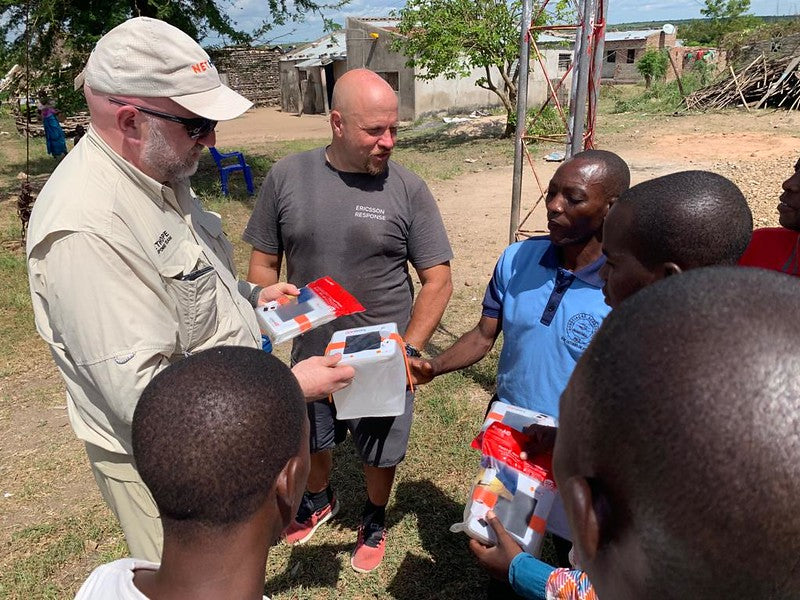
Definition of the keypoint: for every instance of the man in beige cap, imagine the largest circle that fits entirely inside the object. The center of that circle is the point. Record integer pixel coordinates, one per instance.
(128, 273)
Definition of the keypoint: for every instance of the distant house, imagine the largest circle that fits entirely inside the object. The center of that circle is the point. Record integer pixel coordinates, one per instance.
(557, 54)
(369, 45)
(307, 74)
(624, 48)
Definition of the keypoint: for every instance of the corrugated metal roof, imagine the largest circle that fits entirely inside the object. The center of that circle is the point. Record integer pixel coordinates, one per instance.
(331, 46)
(549, 38)
(625, 36)
(382, 22)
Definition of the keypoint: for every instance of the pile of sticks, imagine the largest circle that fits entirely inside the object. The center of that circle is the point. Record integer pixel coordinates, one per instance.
(68, 124)
(762, 83)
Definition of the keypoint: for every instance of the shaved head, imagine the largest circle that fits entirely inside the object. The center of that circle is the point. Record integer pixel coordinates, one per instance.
(615, 174)
(363, 123)
(361, 88)
(678, 453)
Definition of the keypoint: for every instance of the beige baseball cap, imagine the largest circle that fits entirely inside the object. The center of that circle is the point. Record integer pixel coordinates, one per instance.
(148, 58)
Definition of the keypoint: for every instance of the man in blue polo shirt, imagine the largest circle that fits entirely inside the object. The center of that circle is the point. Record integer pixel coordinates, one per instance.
(546, 297)
(546, 292)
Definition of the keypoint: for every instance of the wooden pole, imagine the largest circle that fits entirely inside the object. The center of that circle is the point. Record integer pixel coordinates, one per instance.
(738, 88)
(677, 75)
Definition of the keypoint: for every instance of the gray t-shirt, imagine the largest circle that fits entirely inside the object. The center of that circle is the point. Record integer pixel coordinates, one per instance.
(361, 230)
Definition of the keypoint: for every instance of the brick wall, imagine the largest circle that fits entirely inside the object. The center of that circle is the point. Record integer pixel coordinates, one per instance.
(253, 72)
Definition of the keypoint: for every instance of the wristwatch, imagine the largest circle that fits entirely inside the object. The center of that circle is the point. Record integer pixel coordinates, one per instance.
(412, 351)
(254, 294)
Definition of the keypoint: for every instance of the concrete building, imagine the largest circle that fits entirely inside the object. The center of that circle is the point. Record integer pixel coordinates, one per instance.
(307, 74)
(624, 48)
(369, 45)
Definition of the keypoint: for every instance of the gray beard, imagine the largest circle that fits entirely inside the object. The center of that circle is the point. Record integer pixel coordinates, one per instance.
(159, 157)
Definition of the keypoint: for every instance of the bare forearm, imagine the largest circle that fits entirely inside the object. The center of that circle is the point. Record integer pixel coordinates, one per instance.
(468, 349)
(427, 312)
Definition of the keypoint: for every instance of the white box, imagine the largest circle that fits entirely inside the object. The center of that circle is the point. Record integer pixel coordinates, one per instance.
(377, 353)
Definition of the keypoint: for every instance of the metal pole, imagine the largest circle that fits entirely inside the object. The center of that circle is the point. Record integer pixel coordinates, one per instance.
(522, 108)
(581, 73)
(597, 69)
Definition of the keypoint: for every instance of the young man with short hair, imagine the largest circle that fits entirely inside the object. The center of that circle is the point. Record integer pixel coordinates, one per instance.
(221, 441)
(671, 224)
(778, 248)
(657, 228)
(678, 455)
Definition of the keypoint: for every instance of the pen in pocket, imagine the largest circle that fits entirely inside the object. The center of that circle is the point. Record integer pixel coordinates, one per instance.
(195, 274)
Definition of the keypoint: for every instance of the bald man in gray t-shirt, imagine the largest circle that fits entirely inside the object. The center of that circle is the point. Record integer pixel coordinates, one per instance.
(347, 211)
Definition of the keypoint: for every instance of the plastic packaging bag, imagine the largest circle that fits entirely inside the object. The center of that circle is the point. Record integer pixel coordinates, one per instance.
(520, 491)
(319, 302)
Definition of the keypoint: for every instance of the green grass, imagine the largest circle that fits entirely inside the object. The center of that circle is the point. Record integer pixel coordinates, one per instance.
(45, 558)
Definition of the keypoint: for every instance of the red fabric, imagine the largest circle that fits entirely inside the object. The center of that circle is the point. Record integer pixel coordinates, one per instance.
(775, 248)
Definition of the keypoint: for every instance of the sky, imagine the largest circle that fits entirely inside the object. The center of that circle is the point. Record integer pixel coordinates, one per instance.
(248, 14)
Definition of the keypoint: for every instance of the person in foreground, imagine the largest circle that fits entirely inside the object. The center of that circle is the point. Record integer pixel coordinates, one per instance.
(221, 440)
(349, 212)
(678, 455)
(778, 248)
(128, 273)
(657, 228)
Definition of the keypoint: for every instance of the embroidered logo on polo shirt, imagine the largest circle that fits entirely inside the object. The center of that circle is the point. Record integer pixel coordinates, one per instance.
(162, 241)
(579, 330)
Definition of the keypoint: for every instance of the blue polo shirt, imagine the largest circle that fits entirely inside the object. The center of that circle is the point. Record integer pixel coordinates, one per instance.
(548, 315)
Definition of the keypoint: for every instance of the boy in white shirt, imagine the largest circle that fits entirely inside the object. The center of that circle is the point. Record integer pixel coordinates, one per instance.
(221, 441)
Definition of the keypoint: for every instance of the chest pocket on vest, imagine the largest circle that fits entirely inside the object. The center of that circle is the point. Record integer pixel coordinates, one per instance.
(211, 224)
(191, 283)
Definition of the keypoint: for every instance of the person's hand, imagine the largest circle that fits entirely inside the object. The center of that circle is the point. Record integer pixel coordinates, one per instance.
(320, 376)
(421, 370)
(542, 440)
(496, 559)
(275, 291)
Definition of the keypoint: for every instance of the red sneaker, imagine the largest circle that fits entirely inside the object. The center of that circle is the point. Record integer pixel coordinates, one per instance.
(370, 548)
(308, 520)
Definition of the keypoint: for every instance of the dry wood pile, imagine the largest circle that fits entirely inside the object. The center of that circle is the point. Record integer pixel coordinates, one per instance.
(762, 83)
(68, 124)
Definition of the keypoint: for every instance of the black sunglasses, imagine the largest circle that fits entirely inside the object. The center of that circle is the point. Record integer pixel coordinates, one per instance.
(196, 127)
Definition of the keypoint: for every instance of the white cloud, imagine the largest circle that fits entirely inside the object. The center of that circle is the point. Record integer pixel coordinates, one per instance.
(249, 14)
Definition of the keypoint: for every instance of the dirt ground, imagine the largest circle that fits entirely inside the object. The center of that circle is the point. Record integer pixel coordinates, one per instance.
(757, 152)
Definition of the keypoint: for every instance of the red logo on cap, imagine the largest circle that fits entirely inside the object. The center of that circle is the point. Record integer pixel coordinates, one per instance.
(202, 66)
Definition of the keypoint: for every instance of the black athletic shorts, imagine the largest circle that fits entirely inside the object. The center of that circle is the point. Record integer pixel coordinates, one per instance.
(380, 441)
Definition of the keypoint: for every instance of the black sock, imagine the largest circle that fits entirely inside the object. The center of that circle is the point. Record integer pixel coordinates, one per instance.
(321, 499)
(374, 514)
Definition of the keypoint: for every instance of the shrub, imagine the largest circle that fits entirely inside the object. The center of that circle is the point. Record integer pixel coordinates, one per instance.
(653, 66)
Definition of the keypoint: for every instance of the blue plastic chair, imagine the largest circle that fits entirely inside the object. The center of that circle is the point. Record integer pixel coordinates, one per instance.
(225, 170)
